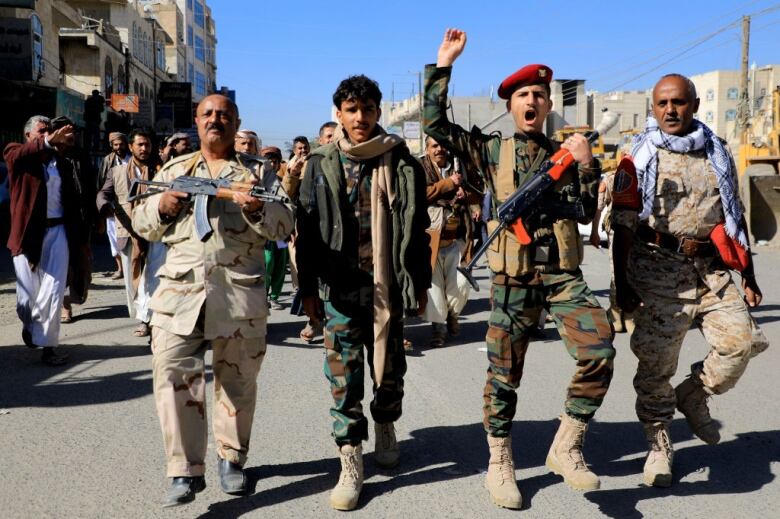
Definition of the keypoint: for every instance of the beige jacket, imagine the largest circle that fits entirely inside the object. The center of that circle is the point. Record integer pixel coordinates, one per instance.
(224, 276)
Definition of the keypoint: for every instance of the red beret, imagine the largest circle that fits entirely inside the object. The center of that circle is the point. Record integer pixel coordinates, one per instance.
(529, 75)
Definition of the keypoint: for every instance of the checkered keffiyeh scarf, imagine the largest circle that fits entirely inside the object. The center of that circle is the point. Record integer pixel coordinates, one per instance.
(645, 153)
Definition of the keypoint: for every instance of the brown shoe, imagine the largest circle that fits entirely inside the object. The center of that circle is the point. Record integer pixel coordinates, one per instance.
(66, 315)
(438, 335)
(692, 402)
(453, 326)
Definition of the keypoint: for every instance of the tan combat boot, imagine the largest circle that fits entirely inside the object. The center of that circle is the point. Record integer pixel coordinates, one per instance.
(565, 456)
(345, 494)
(500, 480)
(658, 466)
(386, 451)
(692, 402)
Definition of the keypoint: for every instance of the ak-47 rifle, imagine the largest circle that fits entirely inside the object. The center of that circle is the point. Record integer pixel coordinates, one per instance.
(525, 200)
(202, 189)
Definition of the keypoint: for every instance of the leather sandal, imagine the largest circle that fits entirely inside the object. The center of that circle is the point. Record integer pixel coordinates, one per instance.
(307, 334)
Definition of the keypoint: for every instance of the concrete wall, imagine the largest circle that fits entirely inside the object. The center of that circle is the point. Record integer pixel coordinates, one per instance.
(631, 107)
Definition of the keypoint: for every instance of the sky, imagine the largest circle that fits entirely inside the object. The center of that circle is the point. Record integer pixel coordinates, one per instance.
(285, 59)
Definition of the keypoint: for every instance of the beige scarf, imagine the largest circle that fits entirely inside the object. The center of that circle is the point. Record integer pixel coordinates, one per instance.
(382, 197)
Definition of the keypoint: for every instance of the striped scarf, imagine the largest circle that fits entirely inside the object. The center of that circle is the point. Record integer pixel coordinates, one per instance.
(645, 154)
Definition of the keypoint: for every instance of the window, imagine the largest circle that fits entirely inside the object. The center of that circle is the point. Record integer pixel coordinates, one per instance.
(189, 5)
(160, 56)
(148, 54)
(135, 88)
(136, 44)
(200, 17)
(37, 47)
(120, 80)
(191, 73)
(200, 83)
(731, 115)
(189, 35)
(635, 121)
(708, 117)
(200, 49)
(732, 93)
(108, 80)
(710, 94)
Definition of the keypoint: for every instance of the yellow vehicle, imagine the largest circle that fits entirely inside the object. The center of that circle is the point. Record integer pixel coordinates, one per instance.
(759, 170)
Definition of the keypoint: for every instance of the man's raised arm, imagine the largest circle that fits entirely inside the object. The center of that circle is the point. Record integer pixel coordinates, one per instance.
(435, 123)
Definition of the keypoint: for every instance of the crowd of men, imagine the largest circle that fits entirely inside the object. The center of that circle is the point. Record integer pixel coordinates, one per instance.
(351, 219)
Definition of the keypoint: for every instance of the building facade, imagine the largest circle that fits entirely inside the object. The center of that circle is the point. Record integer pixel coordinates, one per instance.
(54, 53)
(631, 107)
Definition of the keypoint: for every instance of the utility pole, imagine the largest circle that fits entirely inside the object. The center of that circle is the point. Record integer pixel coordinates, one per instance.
(743, 108)
(420, 93)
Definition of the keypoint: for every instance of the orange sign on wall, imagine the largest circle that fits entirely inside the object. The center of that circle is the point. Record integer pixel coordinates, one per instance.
(126, 102)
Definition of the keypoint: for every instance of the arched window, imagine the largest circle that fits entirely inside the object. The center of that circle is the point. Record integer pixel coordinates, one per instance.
(108, 80)
(135, 88)
(37, 47)
(709, 116)
(710, 94)
(732, 93)
(120, 80)
(731, 115)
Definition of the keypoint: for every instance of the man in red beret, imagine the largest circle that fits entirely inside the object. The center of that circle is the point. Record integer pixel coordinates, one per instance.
(527, 279)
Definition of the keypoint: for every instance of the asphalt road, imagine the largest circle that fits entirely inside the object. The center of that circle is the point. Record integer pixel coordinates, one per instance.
(84, 441)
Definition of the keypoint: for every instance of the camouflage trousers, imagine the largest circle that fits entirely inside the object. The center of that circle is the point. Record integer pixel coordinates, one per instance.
(661, 325)
(180, 396)
(349, 338)
(582, 324)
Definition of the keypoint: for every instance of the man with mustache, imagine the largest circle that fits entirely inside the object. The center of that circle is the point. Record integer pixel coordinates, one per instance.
(672, 217)
(211, 292)
(140, 259)
(365, 260)
(527, 279)
(451, 231)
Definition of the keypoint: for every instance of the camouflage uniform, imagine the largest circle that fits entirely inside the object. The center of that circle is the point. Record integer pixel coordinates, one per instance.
(336, 258)
(524, 283)
(209, 292)
(678, 291)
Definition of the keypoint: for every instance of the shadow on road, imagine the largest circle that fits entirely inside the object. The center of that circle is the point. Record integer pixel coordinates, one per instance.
(439, 454)
(739, 466)
(26, 382)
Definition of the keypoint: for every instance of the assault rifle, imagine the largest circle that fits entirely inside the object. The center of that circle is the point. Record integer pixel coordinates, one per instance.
(525, 200)
(202, 189)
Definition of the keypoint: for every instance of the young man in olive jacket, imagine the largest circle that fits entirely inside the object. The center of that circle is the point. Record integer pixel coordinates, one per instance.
(361, 231)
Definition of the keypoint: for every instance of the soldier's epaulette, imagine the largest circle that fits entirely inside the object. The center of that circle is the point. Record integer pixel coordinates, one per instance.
(178, 160)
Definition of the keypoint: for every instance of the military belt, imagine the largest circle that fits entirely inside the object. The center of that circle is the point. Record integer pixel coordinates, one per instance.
(688, 247)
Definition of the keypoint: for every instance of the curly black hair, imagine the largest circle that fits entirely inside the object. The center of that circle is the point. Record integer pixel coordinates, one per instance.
(360, 88)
